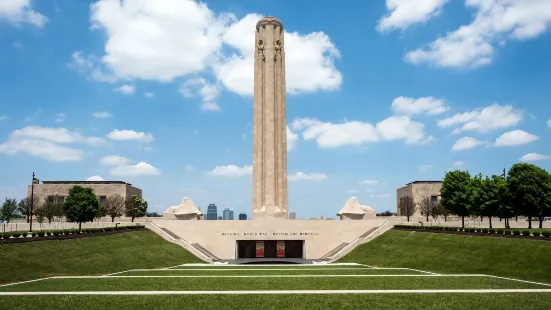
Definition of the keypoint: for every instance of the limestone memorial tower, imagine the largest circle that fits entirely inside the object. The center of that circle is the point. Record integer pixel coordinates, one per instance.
(270, 125)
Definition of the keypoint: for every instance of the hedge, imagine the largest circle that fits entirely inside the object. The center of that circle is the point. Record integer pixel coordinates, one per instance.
(498, 231)
(38, 234)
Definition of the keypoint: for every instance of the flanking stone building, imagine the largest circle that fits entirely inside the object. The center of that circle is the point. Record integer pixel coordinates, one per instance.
(418, 190)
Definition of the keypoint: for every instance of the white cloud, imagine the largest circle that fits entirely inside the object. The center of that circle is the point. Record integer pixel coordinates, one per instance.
(549, 123)
(411, 106)
(56, 135)
(45, 149)
(126, 89)
(18, 12)
(495, 22)
(139, 169)
(231, 171)
(403, 128)
(425, 168)
(515, 137)
(60, 117)
(292, 139)
(534, 157)
(95, 178)
(114, 160)
(466, 143)
(149, 94)
(369, 182)
(483, 120)
(130, 135)
(200, 87)
(404, 13)
(301, 176)
(458, 164)
(102, 115)
(173, 39)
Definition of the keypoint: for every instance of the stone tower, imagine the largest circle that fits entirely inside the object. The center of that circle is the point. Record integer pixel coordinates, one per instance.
(270, 125)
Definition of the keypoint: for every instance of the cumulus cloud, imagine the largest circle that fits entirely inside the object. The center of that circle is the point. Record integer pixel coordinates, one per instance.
(483, 120)
(201, 87)
(534, 157)
(292, 139)
(44, 149)
(231, 171)
(20, 12)
(466, 143)
(139, 169)
(102, 115)
(549, 123)
(126, 89)
(95, 178)
(495, 22)
(423, 105)
(181, 38)
(130, 135)
(515, 137)
(114, 160)
(301, 176)
(56, 135)
(404, 13)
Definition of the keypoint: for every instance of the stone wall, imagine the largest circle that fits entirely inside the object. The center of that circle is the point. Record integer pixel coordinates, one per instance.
(418, 191)
(42, 191)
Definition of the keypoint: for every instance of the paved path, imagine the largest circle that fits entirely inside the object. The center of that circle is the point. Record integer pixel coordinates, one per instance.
(293, 292)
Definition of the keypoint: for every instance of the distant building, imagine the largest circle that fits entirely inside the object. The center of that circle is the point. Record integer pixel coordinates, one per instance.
(242, 216)
(227, 214)
(292, 216)
(418, 190)
(59, 190)
(220, 218)
(212, 212)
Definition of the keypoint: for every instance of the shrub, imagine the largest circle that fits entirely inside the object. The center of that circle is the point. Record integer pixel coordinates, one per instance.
(516, 232)
(484, 230)
(536, 233)
(35, 234)
(16, 235)
(499, 231)
(546, 234)
(41, 234)
(55, 232)
(492, 231)
(507, 232)
(526, 233)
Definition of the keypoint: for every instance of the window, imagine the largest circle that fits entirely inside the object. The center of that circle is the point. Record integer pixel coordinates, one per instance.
(102, 200)
(434, 200)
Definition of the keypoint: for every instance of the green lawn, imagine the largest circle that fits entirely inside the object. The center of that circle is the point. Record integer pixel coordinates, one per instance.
(271, 283)
(89, 256)
(298, 271)
(448, 253)
(263, 266)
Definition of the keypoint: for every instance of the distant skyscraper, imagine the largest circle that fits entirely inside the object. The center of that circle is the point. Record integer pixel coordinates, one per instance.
(212, 212)
(219, 218)
(242, 216)
(227, 214)
(292, 216)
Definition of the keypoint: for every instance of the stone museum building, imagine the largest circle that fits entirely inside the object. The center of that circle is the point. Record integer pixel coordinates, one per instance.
(418, 190)
(103, 189)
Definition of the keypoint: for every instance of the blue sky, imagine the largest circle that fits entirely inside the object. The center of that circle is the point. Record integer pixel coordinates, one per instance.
(380, 93)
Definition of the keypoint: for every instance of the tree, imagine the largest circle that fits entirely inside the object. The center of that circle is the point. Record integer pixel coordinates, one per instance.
(529, 187)
(406, 206)
(81, 205)
(8, 210)
(492, 196)
(135, 207)
(24, 206)
(455, 193)
(155, 214)
(425, 206)
(435, 212)
(114, 206)
(477, 196)
(52, 208)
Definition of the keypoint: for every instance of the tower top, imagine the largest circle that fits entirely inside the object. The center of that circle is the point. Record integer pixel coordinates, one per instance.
(269, 20)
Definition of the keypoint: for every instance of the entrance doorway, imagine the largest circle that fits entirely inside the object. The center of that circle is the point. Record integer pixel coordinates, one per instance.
(270, 248)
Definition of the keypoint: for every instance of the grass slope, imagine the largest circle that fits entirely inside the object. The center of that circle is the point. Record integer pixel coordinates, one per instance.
(447, 253)
(89, 256)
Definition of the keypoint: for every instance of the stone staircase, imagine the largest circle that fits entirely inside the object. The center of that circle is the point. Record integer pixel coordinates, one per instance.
(170, 236)
(205, 251)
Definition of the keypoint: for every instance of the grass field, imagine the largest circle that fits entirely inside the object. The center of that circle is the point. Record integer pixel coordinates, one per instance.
(89, 256)
(447, 253)
(331, 286)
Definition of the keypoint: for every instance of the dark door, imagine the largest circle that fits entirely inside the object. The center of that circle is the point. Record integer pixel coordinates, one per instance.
(293, 248)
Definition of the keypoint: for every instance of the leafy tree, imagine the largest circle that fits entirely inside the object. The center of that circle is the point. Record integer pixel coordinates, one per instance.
(155, 214)
(477, 196)
(8, 210)
(135, 207)
(52, 208)
(24, 206)
(407, 206)
(492, 196)
(443, 211)
(81, 205)
(114, 206)
(455, 193)
(425, 206)
(435, 212)
(530, 190)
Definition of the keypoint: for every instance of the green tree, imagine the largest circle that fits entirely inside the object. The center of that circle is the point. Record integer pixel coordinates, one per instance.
(114, 206)
(455, 193)
(8, 210)
(135, 207)
(52, 208)
(477, 196)
(81, 205)
(492, 193)
(407, 206)
(24, 206)
(530, 190)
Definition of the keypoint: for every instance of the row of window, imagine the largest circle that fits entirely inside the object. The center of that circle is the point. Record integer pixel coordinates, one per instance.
(61, 199)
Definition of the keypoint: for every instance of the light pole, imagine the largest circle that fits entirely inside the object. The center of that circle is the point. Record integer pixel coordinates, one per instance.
(32, 202)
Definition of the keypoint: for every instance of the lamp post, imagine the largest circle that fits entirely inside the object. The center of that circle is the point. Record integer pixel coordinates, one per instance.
(32, 203)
